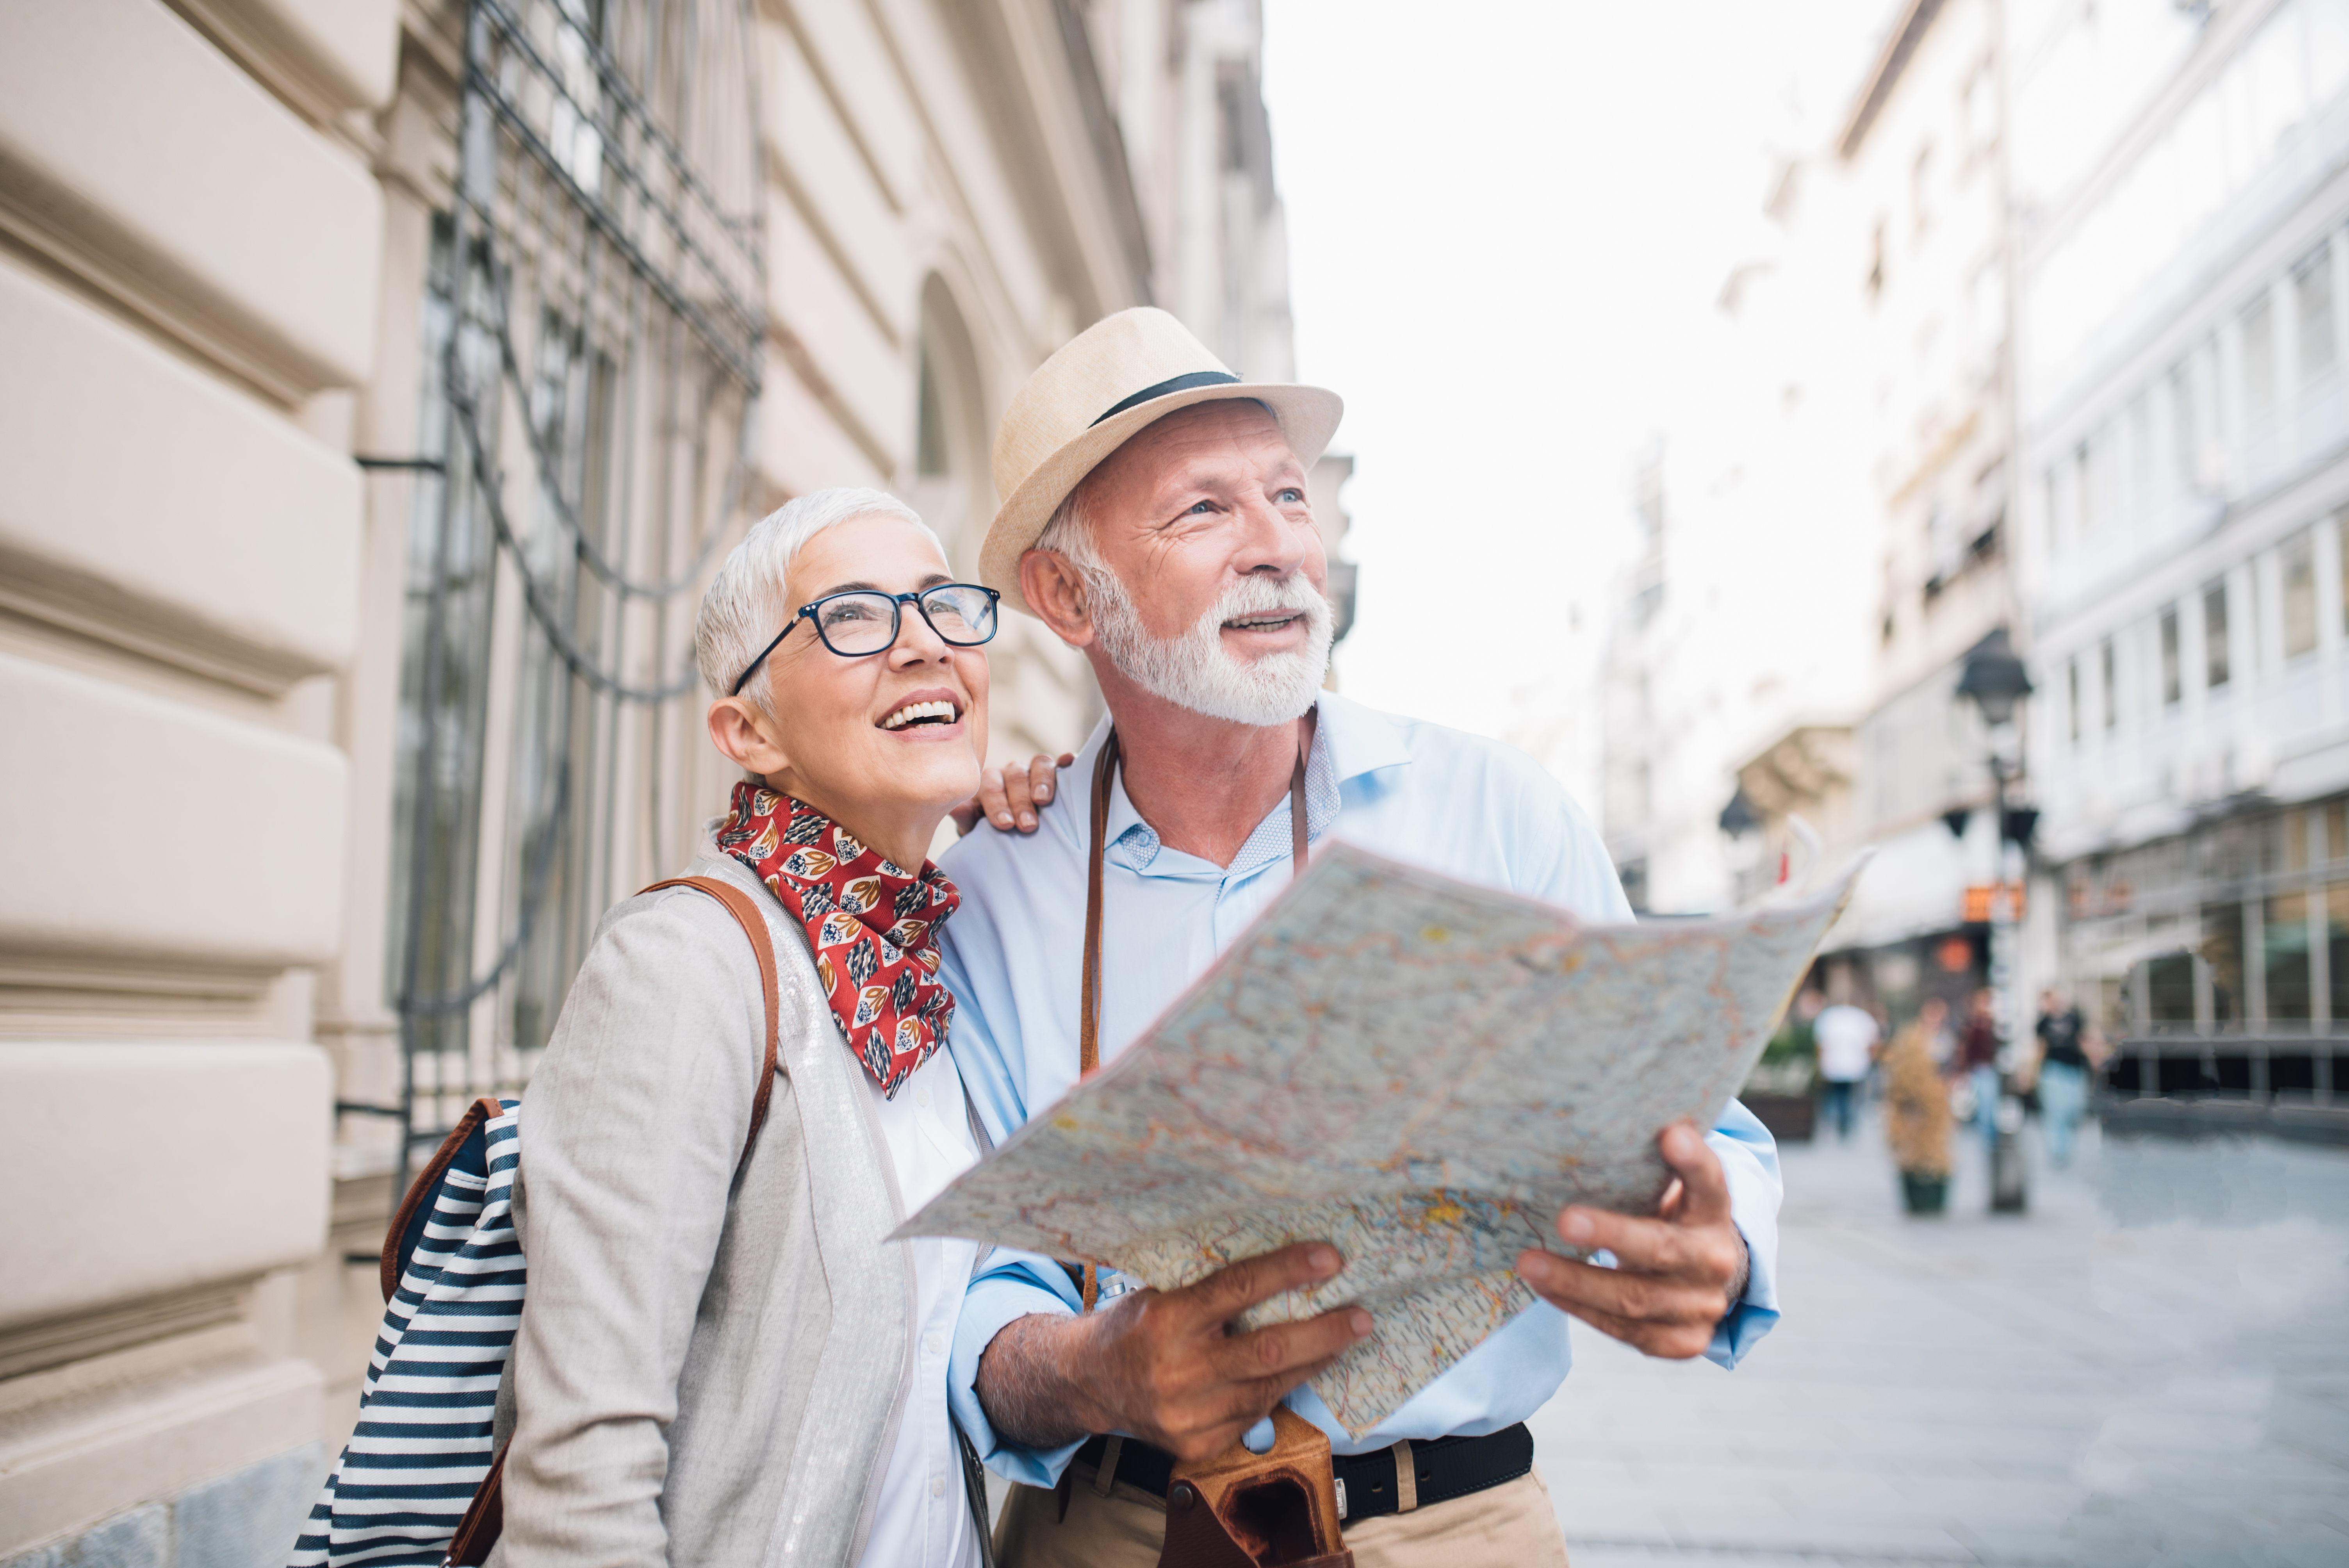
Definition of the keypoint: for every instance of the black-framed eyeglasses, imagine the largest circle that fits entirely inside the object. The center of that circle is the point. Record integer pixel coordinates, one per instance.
(864, 621)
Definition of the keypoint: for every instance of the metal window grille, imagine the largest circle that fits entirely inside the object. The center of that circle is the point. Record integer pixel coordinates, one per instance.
(592, 332)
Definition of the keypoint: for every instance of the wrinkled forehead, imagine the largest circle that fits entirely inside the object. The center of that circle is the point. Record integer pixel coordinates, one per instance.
(1171, 447)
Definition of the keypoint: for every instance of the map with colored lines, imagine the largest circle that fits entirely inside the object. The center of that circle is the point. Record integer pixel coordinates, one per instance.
(1418, 1070)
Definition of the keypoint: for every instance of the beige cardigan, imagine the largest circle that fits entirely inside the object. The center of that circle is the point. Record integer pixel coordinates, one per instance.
(701, 1377)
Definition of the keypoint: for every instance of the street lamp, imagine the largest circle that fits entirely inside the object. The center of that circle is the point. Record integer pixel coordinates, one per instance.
(1994, 680)
(1738, 817)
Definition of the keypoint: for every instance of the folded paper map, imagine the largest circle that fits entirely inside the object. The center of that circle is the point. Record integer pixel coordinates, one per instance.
(1418, 1070)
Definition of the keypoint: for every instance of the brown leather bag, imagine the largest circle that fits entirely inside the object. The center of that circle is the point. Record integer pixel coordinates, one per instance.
(1241, 1510)
(484, 1522)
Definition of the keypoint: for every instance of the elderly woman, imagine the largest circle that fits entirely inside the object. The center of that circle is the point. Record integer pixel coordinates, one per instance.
(714, 1370)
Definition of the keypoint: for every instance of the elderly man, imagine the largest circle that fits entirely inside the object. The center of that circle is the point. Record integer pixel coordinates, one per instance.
(1157, 519)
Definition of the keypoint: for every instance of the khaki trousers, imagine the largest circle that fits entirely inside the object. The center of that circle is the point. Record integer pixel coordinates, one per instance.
(1511, 1525)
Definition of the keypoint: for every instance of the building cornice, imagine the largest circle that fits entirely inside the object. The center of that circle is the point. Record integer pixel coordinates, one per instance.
(1900, 46)
(2222, 38)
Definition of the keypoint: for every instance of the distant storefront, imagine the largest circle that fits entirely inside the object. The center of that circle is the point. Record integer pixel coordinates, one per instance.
(2218, 959)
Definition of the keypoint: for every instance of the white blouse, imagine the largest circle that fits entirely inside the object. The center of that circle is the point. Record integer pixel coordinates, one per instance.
(923, 1520)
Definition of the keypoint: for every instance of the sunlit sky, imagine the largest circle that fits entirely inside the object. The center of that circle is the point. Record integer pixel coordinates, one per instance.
(1507, 221)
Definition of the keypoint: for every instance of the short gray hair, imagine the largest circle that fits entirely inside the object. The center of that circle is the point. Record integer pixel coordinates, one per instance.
(744, 606)
(1066, 533)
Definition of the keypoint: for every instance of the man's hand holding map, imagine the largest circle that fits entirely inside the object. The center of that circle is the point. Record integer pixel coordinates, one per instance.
(1421, 1073)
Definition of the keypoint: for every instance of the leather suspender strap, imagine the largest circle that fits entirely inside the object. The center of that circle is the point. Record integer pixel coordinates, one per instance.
(1089, 997)
(1296, 815)
(1089, 1003)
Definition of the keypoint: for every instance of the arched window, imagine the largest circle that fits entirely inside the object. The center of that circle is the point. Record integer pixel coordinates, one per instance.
(1046, 699)
(949, 485)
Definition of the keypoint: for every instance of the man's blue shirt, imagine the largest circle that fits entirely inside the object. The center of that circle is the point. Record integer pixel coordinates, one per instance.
(1417, 792)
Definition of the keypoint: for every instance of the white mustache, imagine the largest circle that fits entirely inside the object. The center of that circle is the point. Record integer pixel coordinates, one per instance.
(1255, 595)
(1194, 669)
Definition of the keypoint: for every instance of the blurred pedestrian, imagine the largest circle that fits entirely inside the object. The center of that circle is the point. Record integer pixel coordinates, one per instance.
(2062, 1072)
(1917, 1108)
(1846, 1036)
(1978, 1060)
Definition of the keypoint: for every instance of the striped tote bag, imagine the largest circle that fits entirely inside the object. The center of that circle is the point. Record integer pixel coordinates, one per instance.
(419, 1481)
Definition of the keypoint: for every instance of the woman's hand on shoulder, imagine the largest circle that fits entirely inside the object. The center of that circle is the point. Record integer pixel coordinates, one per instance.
(1009, 797)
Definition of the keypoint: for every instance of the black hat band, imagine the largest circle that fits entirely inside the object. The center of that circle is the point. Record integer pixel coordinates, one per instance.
(1173, 384)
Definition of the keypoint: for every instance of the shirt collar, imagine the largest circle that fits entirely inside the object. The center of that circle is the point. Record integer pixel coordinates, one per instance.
(1359, 739)
(1349, 740)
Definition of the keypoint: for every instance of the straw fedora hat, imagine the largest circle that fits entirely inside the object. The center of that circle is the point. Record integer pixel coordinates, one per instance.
(1107, 382)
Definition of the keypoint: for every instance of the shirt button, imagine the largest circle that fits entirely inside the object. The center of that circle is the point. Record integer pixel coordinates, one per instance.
(932, 1343)
(937, 1486)
(922, 1097)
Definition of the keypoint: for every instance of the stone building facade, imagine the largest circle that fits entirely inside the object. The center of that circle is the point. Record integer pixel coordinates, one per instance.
(191, 239)
(1747, 621)
(1926, 148)
(348, 554)
(1831, 513)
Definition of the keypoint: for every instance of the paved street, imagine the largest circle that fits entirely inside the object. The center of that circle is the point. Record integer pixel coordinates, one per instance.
(2151, 1368)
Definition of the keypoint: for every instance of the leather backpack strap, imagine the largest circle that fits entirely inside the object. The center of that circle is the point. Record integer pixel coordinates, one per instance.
(748, 915)
(484, 1521)
(1088, 997)
(427, 1186)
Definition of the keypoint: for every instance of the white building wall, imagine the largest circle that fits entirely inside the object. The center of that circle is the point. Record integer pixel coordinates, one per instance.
(2186, 462)
(1931, 171)
(1840, 522)
(1767, 612)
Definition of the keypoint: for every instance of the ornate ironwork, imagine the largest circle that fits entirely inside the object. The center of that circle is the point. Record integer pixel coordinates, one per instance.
(594, 326)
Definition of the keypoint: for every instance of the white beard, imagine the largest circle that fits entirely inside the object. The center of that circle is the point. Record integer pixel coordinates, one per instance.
(1193, 670)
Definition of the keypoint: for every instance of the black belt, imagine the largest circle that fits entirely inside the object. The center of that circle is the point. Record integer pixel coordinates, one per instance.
(1447, 1467)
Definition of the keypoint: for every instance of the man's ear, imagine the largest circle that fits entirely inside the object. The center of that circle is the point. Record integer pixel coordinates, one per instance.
(742, 732)
(1057, 594)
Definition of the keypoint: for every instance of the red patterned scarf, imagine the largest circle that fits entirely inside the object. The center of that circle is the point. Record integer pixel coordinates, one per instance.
(873, 925)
